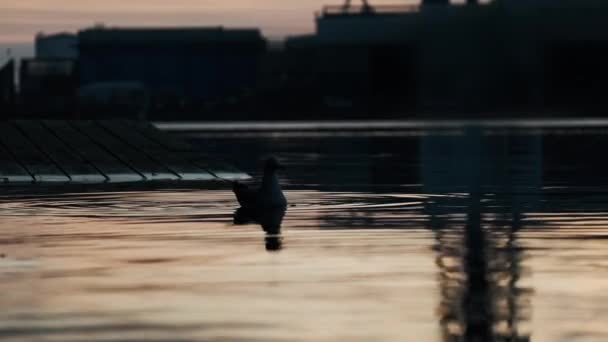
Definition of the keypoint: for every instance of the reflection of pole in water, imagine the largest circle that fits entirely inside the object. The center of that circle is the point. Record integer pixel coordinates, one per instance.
(477, 256)
(480, 299)
(476, 300)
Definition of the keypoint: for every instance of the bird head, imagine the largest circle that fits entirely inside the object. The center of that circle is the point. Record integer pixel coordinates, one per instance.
(273, 164)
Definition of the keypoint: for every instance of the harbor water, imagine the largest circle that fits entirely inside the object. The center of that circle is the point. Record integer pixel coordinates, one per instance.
(463, 232)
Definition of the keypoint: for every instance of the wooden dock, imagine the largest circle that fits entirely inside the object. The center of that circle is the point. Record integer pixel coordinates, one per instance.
(98, 152)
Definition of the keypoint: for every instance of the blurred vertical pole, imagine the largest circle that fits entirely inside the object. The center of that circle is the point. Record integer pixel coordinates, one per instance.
(477, 297)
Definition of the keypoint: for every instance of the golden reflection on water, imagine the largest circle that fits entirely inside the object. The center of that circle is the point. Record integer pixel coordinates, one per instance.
(171, 266)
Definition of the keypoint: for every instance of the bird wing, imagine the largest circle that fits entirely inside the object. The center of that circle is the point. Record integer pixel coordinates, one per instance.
(244, 195)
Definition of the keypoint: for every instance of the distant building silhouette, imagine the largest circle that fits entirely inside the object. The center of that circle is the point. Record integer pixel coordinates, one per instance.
(48, 83)
(7, 89)
(412, 59)
(60, 45)
(363, 61)
(48, 87)
(181, 67)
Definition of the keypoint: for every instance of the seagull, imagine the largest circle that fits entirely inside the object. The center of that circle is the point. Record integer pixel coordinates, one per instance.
(265, 206)
(268, 196)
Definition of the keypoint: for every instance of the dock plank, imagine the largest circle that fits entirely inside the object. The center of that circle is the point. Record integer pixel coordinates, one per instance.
(10, 170)
(218, 168)
(180, 166)
(162, 138)
(96, 152)
(78, 169)
(188, 152)
(110, 166)
(42, 168)
(150, 169)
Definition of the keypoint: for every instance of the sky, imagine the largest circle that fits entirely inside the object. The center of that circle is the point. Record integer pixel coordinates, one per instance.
(20, 20)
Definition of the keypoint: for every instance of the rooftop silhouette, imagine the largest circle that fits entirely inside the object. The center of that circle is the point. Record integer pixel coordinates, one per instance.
(363, 61)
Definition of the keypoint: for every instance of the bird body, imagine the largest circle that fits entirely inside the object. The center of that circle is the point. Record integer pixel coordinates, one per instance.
(269, 195)
(265, 206)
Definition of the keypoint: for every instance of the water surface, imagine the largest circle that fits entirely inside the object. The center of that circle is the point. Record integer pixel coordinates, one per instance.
(473, 234)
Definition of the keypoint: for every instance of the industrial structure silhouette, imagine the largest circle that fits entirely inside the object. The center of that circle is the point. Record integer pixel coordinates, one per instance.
(363, 61)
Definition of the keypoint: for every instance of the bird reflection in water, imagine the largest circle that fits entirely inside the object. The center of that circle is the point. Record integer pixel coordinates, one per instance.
(270, 220)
